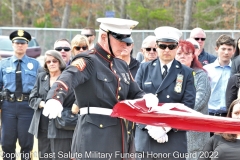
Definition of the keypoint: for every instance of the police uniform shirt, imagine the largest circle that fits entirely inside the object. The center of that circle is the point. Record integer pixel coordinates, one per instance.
(29, 70)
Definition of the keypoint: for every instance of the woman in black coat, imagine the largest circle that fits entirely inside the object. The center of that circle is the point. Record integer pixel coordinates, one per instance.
(52, 142)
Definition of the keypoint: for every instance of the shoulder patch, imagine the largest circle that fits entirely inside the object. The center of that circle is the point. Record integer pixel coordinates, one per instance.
(80, 64)
(193, 73)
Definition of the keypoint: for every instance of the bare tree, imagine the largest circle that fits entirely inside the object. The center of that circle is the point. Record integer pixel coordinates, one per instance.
(236, 14)
(123, 8)
(90, 13)
(187, 14)
(13, 13)
(66, 14)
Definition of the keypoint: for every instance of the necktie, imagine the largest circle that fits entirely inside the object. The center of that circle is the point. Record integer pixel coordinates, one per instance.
(18, 91)
(165, 71)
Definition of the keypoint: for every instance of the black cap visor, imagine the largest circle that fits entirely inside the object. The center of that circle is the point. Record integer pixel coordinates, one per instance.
(122, 37)
(22, 41)
(166, 40)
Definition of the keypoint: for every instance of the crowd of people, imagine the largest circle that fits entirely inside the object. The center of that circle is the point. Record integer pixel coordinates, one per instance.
(88, 79)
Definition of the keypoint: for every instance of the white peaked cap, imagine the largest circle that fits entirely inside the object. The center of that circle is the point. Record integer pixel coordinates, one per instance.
(194, 42)
(117, 25)
(167, 34)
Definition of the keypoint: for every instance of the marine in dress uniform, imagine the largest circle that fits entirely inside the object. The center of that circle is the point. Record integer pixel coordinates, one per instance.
(100, 81)
(17, 77)
(176, 87)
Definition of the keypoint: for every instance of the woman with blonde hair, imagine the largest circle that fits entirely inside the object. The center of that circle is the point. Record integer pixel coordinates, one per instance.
(79, 44)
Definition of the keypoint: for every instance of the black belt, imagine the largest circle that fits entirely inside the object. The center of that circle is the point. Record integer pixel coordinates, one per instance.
(12, 98)
(218, 114)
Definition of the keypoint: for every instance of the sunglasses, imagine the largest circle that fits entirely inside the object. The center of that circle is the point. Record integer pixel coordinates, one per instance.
(88, 35)
(202, 39)
(84, 48)
(66, 49)
(149, 49)
(53, 61)
(170, 46)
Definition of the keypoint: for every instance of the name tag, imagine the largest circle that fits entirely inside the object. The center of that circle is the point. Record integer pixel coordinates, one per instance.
(148, 83)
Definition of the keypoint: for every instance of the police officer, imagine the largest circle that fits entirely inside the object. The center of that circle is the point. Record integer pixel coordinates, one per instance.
(17, 77)
(171, 82)
(100, 81)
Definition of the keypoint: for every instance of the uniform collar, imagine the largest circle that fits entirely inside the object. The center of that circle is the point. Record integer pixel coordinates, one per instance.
(168, 65)
(24, 58)
(107, 56)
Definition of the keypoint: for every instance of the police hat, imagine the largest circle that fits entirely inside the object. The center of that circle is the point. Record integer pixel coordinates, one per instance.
(120, 29)
(167, 34)
(20, 36)
(194, 42)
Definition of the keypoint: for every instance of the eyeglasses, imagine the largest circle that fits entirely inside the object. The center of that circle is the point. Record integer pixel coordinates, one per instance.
(84, 48)
(202, 39)
(170, 46)
(88, 35)
(66, 49)
(149, 49)
(53, 61)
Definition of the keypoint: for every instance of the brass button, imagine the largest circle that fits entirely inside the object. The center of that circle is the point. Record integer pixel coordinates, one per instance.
(129, 132)
(118, 97)
(101, 126)
(119, 88)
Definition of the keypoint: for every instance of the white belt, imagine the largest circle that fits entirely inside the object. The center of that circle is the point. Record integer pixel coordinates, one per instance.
(95, 110)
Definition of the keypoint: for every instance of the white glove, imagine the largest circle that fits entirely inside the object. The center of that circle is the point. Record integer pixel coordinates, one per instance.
(41, 104)
(155, 132)
(163, 139)
(53, 108)
(151, 100)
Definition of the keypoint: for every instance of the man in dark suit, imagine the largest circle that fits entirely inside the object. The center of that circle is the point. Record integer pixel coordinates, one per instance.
(171, 82)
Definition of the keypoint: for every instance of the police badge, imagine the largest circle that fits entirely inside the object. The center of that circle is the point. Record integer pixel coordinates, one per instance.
(30, 66)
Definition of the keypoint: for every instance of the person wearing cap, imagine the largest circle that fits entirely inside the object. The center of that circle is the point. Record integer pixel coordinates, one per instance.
(100, 80)
(200, 36)
(18, 74)
(196, 46)
(170, 82)
(90, 33)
